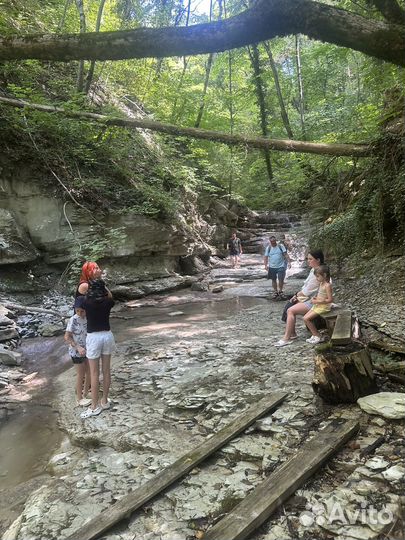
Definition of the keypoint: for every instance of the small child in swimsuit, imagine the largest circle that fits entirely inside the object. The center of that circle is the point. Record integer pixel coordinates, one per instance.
(322, 302)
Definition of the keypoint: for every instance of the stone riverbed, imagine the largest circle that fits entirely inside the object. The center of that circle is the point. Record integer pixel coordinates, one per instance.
(178, 376)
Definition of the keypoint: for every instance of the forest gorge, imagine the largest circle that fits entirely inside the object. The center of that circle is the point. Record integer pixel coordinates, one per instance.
(141, 134)
(340, 98)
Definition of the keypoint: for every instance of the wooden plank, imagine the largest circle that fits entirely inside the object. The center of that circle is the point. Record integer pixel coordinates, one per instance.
(342, 333)
(265, 498)
(124, 507)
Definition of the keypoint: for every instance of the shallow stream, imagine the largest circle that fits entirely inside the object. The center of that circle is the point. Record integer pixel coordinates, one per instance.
(30, 436)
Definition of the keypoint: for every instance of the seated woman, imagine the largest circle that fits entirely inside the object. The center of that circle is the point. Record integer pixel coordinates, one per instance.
(301, 300)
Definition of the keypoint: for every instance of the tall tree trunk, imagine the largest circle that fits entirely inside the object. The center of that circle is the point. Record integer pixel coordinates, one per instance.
(283, 110)
(222, 9)
(231, 123)
(166, 22)
(185, 63)
(301, 105)
(62, 21)
(261, 101)
(80, 73)
(90, 73)
(208, 67)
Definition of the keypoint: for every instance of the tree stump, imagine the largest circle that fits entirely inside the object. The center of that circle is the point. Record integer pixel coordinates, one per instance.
(343, 374)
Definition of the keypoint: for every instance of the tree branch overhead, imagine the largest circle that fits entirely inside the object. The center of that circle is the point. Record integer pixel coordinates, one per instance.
(265, 20)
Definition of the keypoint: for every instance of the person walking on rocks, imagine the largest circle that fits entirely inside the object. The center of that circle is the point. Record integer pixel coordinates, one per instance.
(275, 260)
(235, 249)
(321, 303)
(99, 343)
(75, 336)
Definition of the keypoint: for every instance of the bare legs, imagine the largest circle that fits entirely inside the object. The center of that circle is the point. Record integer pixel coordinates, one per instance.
(82, 380)
(95, 379)
(235, 261)
(297, 309)
(106, 362)
(308, 318)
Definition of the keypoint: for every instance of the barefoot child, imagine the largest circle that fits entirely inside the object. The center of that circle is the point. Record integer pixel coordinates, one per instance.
(321, 302)
(75, 336)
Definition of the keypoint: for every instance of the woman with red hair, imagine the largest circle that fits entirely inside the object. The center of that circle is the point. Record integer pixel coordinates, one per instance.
(90, 271)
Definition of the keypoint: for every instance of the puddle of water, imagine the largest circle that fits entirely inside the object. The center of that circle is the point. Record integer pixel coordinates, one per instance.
(29, 436)
(48, 356)
(27, 441)
(157, 319)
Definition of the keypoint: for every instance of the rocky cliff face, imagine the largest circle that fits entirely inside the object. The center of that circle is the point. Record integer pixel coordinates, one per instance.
(40, 230)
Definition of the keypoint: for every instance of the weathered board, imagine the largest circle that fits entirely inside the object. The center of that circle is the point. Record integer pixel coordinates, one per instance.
(342, 333)
(261, 503)
(124, 507)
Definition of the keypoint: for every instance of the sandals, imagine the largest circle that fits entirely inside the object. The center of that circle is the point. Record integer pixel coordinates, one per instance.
(84, 402)
(107, 405)
(274, 295)
(283, 342)
(90, 412)
(314, 340)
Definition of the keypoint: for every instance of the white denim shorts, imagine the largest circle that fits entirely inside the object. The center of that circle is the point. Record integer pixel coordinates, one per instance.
(98, 343)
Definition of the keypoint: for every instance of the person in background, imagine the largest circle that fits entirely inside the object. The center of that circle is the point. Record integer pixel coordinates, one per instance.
(283, 242)
(99, 344)
(321, 303)
(75, 336)
(300, 302)
(276, 261)
(235, 249)
(90, 270)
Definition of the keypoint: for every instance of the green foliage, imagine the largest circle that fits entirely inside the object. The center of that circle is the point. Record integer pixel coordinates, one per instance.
(348, 97)
(100, 243)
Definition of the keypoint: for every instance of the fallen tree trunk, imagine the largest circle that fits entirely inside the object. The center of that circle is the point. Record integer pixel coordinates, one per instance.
(283, 145)
(29, 309)
(343, 374)
(266, 19)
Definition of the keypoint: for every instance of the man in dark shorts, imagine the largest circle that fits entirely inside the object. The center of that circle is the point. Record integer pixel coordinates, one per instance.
(275, 258)
(235, 249)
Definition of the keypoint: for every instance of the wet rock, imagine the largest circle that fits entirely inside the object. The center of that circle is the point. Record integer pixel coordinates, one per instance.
(49, 330)
(9, 358)
(200, 286)
(217, 288)
(8, 333)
